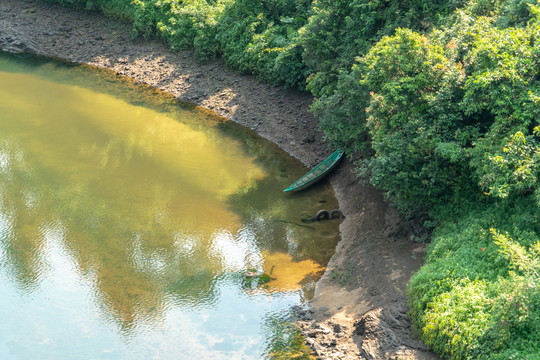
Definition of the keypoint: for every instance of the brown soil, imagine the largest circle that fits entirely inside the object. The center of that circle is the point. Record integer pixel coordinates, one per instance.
(359, 309)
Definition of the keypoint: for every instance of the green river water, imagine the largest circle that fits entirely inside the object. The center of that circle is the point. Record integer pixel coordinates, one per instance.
(128, 221)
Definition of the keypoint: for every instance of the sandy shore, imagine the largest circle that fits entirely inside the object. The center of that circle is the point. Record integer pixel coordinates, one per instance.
(359, 309)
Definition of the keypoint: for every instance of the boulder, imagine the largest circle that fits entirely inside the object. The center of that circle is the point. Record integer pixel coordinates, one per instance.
(14, 41)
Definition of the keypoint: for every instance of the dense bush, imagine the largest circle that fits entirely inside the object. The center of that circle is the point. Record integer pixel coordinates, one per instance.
(444, 111)
(415, 126)
(453, 117)
(478, 295)
(181, 24)
(340, 30)
(443, 100)
(258, 37)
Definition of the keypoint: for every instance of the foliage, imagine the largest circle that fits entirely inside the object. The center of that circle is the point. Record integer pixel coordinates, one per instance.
(478, 295)
(260, 37)
(416, 130)
(340, 30)
(342, 116)
(255, 37)
(514, 169)
(192, 23)
(441, 109)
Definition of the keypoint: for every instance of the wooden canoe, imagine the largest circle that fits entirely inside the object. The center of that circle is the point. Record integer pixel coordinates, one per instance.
(317, 173)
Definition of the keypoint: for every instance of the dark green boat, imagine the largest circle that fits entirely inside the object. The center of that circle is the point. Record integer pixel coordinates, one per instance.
(317, 173)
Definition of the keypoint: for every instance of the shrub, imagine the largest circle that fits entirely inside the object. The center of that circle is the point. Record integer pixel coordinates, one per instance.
(338, 31)
(415, 126)
(478, 295)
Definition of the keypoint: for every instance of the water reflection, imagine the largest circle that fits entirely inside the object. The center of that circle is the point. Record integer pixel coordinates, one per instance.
(143, 218)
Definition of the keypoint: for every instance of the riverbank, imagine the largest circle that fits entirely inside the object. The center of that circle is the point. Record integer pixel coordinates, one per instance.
(359, 309)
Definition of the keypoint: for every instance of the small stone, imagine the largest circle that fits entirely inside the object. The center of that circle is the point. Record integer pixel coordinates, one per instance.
(325, 330)
(309, 139)
(374, 292)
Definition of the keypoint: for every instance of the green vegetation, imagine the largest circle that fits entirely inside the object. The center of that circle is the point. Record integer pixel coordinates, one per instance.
(284, 339)
(442, 98)
(478, 294)
(251, 278)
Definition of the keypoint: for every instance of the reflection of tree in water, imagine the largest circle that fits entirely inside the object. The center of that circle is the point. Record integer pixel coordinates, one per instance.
(133, 239)
(276, 217)
(20, 227)
(135, 264)
(144, 230)
(114, 177)
(295, 251)
(125, 231)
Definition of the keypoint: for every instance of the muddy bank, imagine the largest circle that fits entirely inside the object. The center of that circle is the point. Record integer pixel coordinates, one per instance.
(359, 310)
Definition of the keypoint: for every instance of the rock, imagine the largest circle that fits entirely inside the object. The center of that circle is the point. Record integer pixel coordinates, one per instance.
(324, 329)
(337, 328)
(360, 327)
(14, 41)
(309, 139)
(374, 291)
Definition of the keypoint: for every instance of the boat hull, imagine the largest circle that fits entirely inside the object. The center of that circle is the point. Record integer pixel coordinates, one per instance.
(317, 173)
